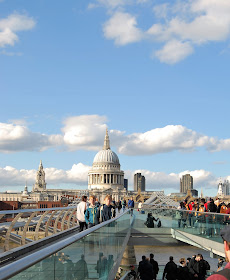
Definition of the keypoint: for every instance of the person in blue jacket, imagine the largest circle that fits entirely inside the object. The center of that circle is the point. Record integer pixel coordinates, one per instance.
(91, 213)
(131, 205)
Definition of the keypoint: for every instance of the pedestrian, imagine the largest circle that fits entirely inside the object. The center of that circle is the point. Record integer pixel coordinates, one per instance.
(123, 203)
(150, 221)
(131, 205)
(180, 214)
(210, 219)
(194, 267)
(182, 270)
(225, 273)
(140, 205)
(81, 208)
(155, 266)
(110, 262)
(145, 269)
(91, 213)
(170, 270)
(203, 267)
(106, 211)
(119, 206)
(81, 269)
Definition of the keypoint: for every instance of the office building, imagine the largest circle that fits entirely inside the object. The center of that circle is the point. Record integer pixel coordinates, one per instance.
(186, 183)
(139, 182)
(224, 188)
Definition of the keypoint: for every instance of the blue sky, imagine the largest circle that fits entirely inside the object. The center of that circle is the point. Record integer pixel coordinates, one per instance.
(156, 73)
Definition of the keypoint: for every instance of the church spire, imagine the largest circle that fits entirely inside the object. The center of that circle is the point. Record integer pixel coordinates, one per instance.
(106, 141)
(40, 165)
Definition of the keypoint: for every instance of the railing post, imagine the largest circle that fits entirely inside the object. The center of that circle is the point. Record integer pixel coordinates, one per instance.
(39, 224)
(23, 240)
(57, 220)
(48, 222)
(7, 238)
(70, 217)
(63, 220)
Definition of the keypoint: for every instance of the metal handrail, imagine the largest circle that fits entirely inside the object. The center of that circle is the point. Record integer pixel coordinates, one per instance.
(6, 212)
(19, 265)
(183, 210)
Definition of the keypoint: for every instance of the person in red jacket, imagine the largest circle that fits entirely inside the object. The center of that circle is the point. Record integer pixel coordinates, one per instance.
(225, 273)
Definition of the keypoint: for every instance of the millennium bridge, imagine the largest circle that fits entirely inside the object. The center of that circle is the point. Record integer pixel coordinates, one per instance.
(46, 243)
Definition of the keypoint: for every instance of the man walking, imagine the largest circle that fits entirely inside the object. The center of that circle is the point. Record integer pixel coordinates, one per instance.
(194, 267)
(170, 270)
(131, 205)
(145, 269)
(107, 211)
(81, 208)
(155, 266)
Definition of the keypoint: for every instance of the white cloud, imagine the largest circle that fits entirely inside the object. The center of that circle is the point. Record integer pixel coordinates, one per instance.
(121, 28)
(170, 138)
(174, 51)
(10, 176)
(180, 26)
(11, 25)
(15, 138)
(87, 132)
(84, 132)
(78, 176)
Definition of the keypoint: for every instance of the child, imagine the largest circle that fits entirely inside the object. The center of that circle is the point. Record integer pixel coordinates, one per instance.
(91, 213)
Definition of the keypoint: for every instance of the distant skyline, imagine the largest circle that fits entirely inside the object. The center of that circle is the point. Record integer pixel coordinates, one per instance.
(155, 73)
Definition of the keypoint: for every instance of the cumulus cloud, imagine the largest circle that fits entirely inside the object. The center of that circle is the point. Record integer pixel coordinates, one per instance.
(84, 132)
(166, 139)
(15, 138)
(121, 28)
(174, 51)
(87, 132)
(205, 21)
(10, 26)
(178, 26)
(12, 177)
(78, 176)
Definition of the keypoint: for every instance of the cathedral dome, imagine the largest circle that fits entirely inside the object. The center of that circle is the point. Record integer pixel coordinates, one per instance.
(106, 156)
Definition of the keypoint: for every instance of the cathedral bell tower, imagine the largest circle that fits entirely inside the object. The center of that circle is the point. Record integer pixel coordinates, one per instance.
(40, 184)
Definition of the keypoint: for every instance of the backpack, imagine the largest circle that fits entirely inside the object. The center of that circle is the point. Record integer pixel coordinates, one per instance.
(223, 209)
(159, 224)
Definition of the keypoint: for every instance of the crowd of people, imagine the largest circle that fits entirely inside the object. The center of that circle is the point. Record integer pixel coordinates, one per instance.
(194, 268)
(197, 216)
(91, 212)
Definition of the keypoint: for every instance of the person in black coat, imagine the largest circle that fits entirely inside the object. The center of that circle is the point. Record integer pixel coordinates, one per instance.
(145, 269)
(182, 270)
(203, 267)
(194, 267)
(170, 270)
(155, 266)
(150, 221)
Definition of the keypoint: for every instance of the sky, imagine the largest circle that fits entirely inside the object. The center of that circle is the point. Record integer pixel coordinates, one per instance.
(154, 72)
